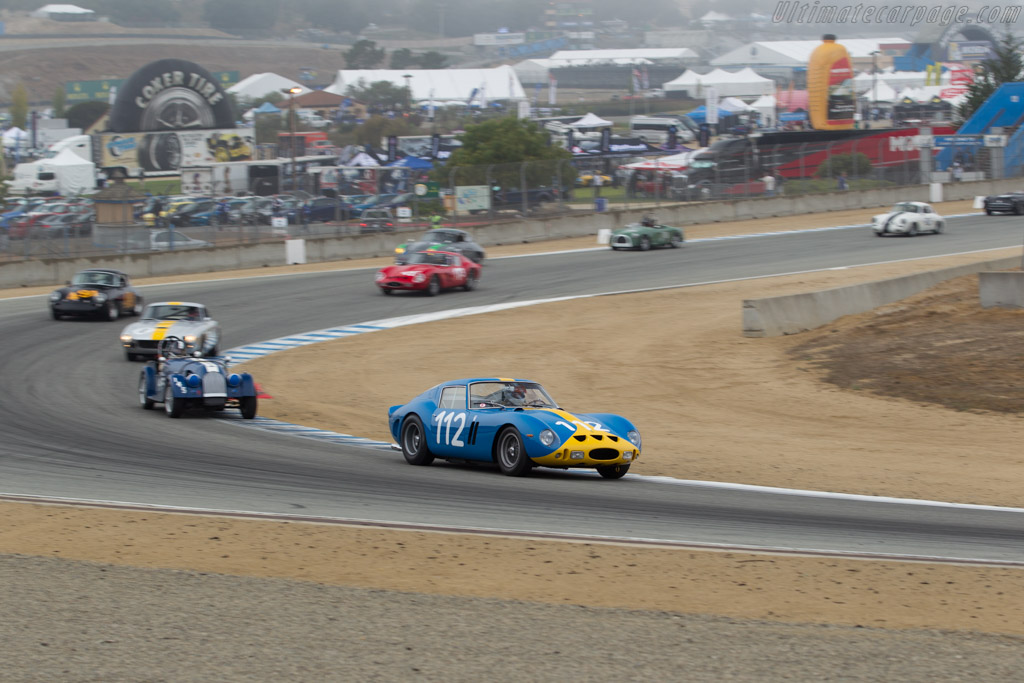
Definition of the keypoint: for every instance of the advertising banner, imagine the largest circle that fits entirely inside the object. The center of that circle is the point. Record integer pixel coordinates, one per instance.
(473, 198)
(165, 152)
(711, 105)
(99, 90)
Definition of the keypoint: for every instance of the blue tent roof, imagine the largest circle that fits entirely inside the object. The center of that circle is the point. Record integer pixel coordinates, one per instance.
(413, 162)
(700, 113)
(267, 108)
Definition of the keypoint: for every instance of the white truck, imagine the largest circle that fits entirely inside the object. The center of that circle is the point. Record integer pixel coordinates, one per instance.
(65, 174)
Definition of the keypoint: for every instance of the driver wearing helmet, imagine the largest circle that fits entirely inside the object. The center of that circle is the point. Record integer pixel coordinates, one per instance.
(648, 221)
(514, 395)
(192, 314)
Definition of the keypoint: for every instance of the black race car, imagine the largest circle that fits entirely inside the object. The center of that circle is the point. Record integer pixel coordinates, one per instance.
(442, 239)
(1011, 202)
(97, 292)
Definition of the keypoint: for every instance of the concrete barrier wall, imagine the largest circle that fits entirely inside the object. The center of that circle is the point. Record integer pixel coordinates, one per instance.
(780, 315)
(1001, 290)
(337, 248)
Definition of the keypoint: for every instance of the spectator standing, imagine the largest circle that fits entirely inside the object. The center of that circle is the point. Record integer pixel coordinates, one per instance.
(598, 181)
(843, 184)
(957, 172)
(769, 185)
(435, 220)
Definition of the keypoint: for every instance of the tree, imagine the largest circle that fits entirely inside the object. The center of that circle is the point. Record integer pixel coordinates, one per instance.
(433, 60)
(267, 126)
(1005, 66)
(364, 55)
(85, 114)
(403, 58)
(60, 102)
(380, 95)
(500, 146)
(19, 106)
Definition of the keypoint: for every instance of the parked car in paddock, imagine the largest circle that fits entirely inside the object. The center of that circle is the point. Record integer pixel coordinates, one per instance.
(1010, 202)
(646, 234)
(162, 240)
(429, 272)
(186, 320)
(63, 224)
(181, 380)
(97, 292)
(513, 423)
(442, 239)
(909, 219)
(376, 220)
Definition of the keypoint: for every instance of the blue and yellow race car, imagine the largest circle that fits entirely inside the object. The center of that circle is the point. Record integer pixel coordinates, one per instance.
(512, 422)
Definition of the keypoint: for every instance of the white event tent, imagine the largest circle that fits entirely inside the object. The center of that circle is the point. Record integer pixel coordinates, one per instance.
(498, 83)
(259, 85)
(74, 174)
(591, 120)
(742, 83)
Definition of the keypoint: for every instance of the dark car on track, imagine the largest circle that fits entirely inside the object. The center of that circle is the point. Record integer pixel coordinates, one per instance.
(1010, 202)
(97, 292)
(442, 239)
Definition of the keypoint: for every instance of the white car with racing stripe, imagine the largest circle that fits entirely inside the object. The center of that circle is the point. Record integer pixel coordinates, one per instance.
(185, 320)
(908, 219)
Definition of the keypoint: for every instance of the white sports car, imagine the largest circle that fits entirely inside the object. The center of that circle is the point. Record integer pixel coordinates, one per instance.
(185, 320)
(909, 219)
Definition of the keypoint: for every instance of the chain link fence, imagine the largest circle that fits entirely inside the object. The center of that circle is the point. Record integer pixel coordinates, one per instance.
(352, 200)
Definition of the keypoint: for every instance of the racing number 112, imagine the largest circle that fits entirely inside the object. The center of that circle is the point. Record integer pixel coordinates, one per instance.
(446, 418)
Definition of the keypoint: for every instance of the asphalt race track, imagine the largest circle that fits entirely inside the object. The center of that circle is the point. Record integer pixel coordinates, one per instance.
(71, 426)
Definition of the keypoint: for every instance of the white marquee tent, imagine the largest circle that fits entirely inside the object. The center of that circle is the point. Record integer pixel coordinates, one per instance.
(742, 83)
(499, 83)
(765, 106)
(15, 137)
(74, 174)
(259, 85)
(591, 120)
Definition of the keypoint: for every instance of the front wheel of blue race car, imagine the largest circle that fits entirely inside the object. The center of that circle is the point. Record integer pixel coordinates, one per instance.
(414, 442)
(613, 471)
(247, 406)
(511, 456)
(174, 407)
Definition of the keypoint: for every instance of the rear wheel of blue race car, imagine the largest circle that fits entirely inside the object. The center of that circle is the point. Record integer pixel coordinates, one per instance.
(144, 400)
(511, 456)
(414, 442)
(613, 471)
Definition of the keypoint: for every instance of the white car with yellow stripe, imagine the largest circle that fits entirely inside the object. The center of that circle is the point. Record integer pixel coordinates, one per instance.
(183, 319)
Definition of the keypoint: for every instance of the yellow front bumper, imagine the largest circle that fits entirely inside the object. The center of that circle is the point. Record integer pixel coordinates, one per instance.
(594, 450)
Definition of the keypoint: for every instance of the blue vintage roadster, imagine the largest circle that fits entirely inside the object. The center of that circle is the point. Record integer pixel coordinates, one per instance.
(181, 380)
(514, 423)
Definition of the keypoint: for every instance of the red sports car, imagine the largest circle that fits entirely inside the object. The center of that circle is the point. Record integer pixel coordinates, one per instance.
(430, 271)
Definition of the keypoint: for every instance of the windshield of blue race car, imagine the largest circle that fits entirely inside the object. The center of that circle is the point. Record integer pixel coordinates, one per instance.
(509, 394)
(173, 312)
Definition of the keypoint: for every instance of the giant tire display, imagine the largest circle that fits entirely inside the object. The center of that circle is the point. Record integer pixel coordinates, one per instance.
(170, 94)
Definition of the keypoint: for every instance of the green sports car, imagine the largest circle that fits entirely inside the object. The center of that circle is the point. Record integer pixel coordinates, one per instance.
(645, 235)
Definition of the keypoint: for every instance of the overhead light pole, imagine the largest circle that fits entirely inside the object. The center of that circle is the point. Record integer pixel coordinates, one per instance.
(292, 92)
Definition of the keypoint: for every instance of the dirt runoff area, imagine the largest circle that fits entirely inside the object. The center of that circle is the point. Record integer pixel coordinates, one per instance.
(812, 411)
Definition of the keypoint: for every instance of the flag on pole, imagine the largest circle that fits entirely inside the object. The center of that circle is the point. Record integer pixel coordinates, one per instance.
(646, 79)
(636, 80)
(552, 88)
(483, 95)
